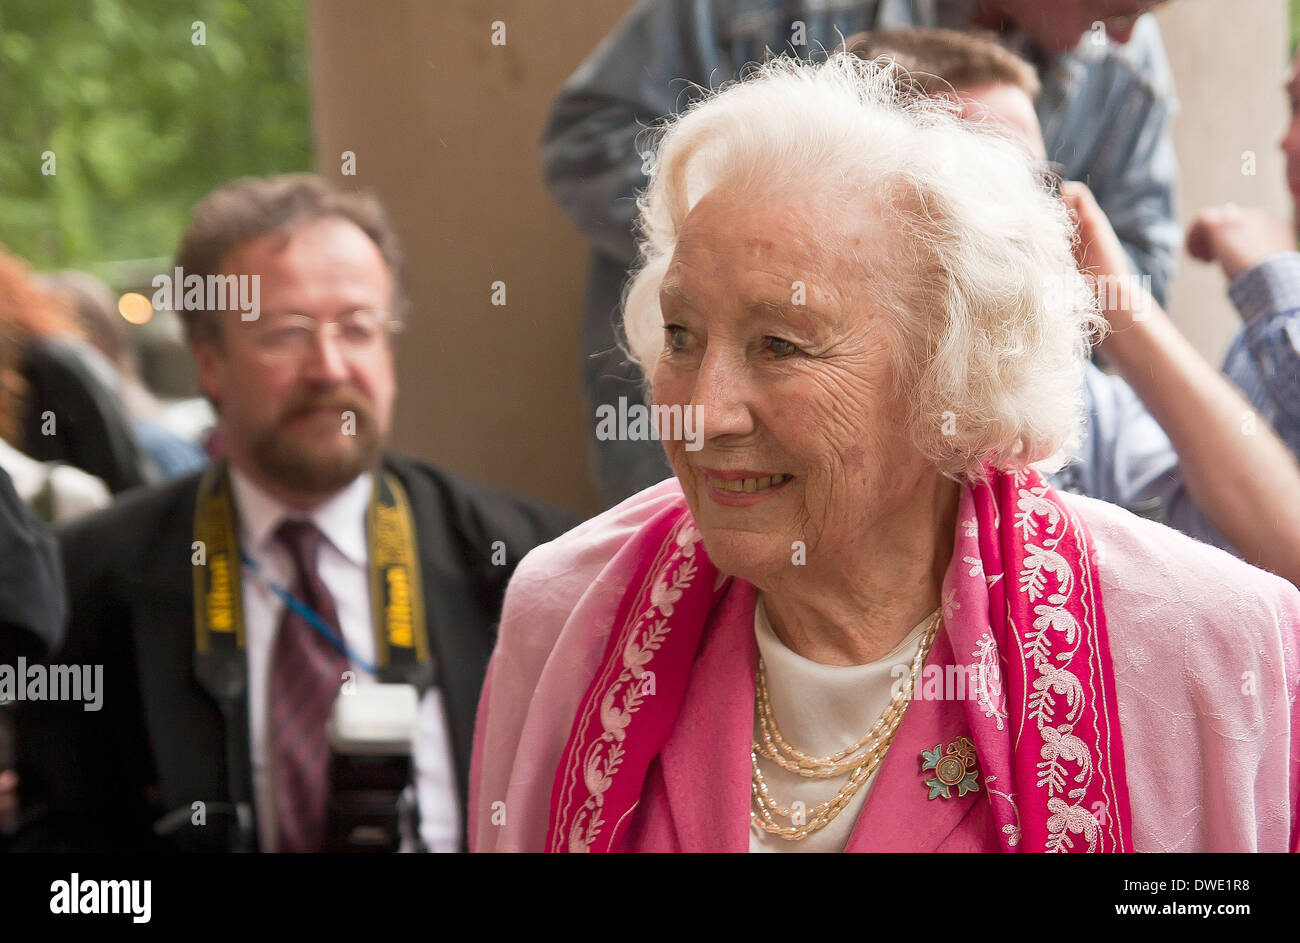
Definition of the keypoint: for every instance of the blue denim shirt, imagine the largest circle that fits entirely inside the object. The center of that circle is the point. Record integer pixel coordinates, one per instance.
(1105, 108)
(1127, 459)
(1105, 111)
(1264, 359)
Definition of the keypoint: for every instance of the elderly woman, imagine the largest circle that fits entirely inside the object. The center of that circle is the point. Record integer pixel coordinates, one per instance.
(858, 619)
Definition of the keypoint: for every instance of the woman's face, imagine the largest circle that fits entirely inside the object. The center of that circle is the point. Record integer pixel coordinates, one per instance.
(769, 330)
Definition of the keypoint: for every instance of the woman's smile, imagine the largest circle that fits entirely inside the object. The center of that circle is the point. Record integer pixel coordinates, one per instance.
(743, 487)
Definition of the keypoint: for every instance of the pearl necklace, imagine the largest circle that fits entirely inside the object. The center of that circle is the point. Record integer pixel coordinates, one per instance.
(764, 810)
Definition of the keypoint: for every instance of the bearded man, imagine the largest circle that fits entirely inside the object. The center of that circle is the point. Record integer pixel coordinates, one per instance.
(230, 608)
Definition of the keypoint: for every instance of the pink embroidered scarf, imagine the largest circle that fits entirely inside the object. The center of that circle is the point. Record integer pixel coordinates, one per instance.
(1045, 726)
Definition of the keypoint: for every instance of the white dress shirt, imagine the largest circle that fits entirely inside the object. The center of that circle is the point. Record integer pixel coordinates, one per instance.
(343, 568)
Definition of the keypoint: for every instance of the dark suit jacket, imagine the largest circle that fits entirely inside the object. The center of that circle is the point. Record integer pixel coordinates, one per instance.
(102, 779)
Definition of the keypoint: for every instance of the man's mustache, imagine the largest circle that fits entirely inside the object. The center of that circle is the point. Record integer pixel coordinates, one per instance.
(340, 400)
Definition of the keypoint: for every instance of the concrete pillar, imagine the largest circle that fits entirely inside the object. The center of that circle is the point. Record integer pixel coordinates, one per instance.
(1229, 60)
(444, 127)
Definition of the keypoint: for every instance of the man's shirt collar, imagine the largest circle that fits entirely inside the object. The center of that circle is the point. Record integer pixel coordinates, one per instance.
(341, 517)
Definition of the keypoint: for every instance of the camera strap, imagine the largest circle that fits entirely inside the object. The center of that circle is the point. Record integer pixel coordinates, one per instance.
(220, 656)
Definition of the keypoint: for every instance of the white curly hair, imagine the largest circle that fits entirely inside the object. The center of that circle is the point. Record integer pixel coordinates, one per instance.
(991, 320)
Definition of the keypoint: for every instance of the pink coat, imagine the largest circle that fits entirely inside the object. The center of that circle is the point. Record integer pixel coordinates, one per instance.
(1204, 649)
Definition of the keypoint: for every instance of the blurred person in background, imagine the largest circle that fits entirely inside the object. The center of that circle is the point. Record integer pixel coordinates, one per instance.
(56, 492)
(1256, 250)
(1105, 109)
(171, 453)
(67, 412)
(32, 612)
(329, 566)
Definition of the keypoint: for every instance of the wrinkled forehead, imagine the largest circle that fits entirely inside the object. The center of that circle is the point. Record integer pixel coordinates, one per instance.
(810, 223)
(315, 261)
(809, 229)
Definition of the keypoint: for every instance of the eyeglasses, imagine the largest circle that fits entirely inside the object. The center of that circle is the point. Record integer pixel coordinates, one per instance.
(290, 338)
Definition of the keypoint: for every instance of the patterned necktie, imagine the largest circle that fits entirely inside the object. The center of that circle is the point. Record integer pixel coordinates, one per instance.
(306, 673)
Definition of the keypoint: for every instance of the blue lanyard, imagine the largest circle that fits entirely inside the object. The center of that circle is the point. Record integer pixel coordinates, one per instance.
(307, 612)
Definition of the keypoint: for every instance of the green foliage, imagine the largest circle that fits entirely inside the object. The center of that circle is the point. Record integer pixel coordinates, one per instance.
(142, 122)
